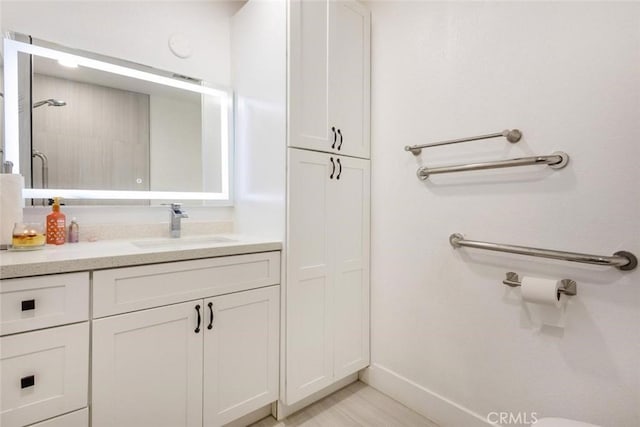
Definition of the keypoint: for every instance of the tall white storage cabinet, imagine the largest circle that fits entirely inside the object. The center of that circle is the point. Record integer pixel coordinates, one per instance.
(328, 200)
(302, 153)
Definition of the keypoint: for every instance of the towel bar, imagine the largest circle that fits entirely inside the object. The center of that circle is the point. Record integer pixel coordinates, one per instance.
(512, 135)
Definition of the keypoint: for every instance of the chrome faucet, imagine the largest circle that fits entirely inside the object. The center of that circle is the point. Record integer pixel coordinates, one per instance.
(176, 215)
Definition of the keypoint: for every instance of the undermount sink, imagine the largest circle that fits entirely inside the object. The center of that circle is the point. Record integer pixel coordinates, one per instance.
(181, 241)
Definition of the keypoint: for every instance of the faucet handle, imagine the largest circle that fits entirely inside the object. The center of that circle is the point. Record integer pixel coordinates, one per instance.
(174, 206)
(176, 210)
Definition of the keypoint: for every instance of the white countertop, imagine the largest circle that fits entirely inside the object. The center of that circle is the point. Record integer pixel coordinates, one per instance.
(85, 256)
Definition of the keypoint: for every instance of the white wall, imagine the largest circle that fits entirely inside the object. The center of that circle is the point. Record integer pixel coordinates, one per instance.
(134, 30)
(258, 39)
(443, 325)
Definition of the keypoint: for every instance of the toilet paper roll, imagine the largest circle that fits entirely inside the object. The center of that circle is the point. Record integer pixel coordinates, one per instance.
(541, 291)
(11, 204)
(543, 303)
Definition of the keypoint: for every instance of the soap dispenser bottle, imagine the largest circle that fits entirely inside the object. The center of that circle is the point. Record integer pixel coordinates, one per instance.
(74, 231)
(56, 225)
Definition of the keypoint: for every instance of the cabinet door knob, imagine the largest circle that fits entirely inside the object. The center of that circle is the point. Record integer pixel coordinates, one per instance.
(29, 381)
(335, 137)
(210, 326)
(339, 170)
(29, 304)
(199, 319)
(333, 168)
(340, 145)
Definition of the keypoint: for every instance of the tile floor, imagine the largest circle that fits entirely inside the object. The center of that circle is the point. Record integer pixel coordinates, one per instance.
(355, 405)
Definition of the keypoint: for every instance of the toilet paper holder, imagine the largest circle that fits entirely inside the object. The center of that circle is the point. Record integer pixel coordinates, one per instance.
(567, 286)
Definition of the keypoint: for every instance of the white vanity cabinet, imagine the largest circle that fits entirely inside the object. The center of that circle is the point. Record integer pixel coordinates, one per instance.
(44, 349)
(327, 290)
(329, 76)
(201, 362)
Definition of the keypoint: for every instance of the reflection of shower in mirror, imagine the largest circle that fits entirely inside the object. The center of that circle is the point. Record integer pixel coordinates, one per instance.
(35, 153)
(50, 102)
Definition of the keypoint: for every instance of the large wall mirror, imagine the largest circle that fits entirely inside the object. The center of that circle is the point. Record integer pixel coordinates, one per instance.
(86, 127)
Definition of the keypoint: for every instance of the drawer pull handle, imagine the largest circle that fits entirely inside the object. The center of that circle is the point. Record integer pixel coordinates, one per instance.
(29, 304)
(199, 319)
(29, 381)
(210, 326)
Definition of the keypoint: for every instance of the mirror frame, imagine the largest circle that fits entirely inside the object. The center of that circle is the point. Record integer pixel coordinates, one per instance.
(12, 49)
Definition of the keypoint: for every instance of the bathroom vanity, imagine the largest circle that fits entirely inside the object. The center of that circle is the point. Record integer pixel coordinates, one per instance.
(160, 334)
(203, 333)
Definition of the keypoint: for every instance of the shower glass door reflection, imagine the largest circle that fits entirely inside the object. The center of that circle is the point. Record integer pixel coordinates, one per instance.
(89, 136)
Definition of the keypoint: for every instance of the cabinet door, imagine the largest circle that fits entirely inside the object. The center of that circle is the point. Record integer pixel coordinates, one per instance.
(241, 345)
(350, 218)
(43, 374)
(349, 76)
(329, 76)
(308, 75)
(147, 368)
(309, 341)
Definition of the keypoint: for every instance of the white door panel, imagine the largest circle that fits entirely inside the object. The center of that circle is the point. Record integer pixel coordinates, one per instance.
(240, 353)
(147, 368)
(309, 284)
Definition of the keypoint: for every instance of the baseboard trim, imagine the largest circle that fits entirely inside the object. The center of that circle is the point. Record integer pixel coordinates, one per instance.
(437, 408)
(252, 417)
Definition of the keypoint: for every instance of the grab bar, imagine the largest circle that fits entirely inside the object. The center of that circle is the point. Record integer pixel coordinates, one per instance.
(622, 260)
(557, 160)
(512, 135)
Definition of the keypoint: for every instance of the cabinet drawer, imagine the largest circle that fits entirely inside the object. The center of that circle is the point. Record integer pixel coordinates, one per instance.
(44, 374)
(39, 302)
(75, 419)
(128, 289)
